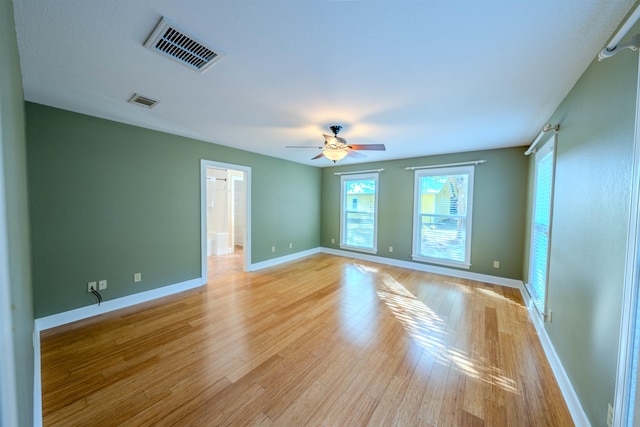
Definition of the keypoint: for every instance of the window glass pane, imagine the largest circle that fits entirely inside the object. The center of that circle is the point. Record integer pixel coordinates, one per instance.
(441, 217)
(358, 216)
(540, 229)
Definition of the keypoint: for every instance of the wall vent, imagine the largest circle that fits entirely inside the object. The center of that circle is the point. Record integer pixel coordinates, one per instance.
(169, 40)
(143, 101)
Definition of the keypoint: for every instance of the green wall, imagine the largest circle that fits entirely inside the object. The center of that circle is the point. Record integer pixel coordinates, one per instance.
(12, 138)
(499, 202)
(109, 199)
(590, 223)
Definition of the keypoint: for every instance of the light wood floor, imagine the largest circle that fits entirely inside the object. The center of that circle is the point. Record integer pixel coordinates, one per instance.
(325, 341)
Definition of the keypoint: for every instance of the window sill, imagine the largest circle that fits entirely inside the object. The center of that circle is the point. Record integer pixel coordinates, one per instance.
(357, 249)
(441, 262)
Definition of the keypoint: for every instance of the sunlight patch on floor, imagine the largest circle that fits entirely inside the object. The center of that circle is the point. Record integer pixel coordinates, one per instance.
(358, 307)
(429, 330)
(493, 294)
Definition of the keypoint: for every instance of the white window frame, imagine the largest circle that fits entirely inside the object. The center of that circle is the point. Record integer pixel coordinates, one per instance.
(469, 170)
(547, 150)
(343, 212)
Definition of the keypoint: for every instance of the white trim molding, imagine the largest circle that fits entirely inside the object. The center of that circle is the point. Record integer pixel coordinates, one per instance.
(283, 259)
(82, 313)
(576, 410)
(8, 384)
(495, 280)
(624, 406)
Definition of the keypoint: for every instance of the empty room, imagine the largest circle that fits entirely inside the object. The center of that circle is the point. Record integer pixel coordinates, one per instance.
(324, 213)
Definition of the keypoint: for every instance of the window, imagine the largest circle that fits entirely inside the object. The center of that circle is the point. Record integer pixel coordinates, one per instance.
(359, 212)
(541, 226)
(442, 216)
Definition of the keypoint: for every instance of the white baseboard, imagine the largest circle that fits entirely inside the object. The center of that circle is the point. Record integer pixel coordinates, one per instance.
(496, 280)
(281, 260)
(81, 313)
(566, 388)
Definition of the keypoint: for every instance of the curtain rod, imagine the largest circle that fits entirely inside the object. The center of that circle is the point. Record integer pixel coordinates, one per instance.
(612, 48)
(545, 129)
(474, 162)
(352, 172)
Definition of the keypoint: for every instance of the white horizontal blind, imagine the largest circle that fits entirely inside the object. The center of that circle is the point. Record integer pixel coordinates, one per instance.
(443, 215)
(359, 212)
(541, 227)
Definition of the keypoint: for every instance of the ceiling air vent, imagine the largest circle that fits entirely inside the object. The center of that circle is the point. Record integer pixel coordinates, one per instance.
(142, 101)
(169, 40)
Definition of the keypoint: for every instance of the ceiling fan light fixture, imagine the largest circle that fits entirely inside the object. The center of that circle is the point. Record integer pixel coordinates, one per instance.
(335, 155)
(336, 148)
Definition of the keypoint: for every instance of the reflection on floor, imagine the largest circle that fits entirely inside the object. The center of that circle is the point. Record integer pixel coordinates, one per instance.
(323, 341)
(222, 264)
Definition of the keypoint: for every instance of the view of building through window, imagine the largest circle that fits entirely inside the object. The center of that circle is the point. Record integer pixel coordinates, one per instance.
(442, 218)
(359, 202)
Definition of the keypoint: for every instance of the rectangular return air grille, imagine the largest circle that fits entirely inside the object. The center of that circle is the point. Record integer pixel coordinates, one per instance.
(142, 101)
(167, 39)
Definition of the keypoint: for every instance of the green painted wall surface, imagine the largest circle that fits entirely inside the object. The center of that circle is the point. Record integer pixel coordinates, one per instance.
(590, 223)
(108, 200)
(499, 202)
(13, 148)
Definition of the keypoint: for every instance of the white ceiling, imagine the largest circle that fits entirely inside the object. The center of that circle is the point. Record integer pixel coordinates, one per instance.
(423, 77)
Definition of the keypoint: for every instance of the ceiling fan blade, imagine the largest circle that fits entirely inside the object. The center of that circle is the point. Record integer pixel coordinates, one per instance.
(377, 147)
(302, 146)
(355, 154)
(318, 156)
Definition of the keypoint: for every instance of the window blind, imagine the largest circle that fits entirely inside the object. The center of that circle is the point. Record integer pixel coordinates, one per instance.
(540, 229)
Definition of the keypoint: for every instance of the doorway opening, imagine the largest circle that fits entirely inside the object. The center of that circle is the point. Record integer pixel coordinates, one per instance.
(225, 218)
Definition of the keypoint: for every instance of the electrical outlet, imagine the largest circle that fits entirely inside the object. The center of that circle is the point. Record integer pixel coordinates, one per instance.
(333, 241)
(496, 264)
(390, 248)
(137, 277)
(609, 415)
(92, 285)
(102, 285)
(290, 245)
(273, 248)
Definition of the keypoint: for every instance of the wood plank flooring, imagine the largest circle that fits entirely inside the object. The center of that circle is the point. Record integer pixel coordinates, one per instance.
(324, 341)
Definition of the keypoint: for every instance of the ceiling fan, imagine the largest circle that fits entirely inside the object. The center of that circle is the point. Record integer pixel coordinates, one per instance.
(336, 148)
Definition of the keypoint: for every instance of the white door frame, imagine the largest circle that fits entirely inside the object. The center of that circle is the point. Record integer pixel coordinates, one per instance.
(234, 182)
(8, 398)
(203, 213)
